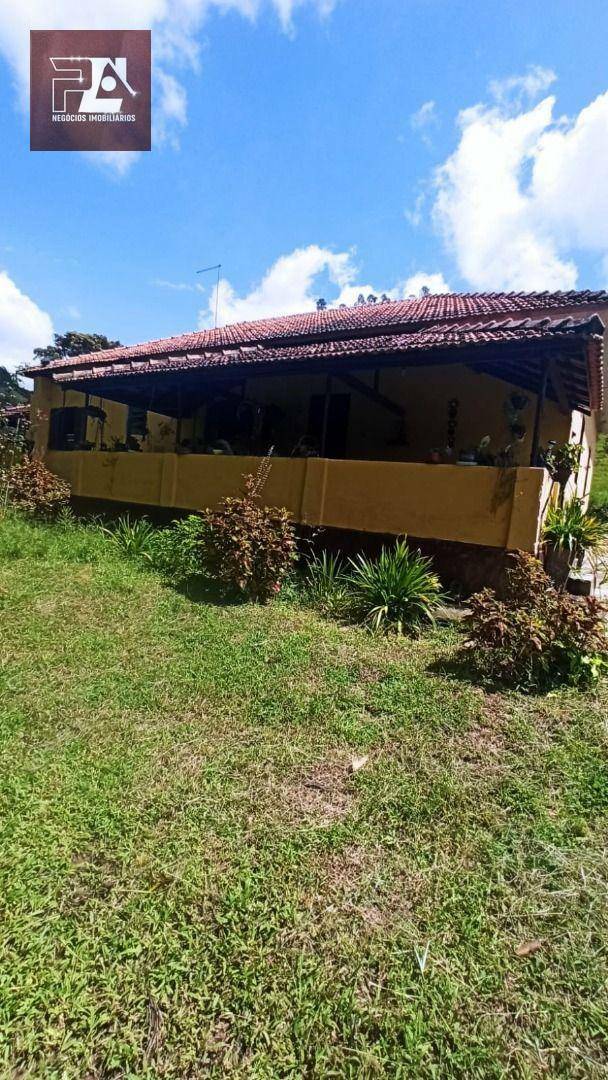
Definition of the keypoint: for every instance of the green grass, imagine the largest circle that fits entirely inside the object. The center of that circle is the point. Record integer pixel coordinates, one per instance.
(599, 487)
(194, 883)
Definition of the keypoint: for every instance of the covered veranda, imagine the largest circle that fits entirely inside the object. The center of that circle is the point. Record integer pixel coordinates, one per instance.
(437, 433)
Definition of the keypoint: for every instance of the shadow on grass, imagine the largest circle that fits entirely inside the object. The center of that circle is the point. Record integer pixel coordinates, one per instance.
(461, 667)
(201, 590)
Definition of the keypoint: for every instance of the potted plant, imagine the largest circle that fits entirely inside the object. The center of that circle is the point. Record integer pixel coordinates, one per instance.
(562, 462)
(570, 531)
(484, 455)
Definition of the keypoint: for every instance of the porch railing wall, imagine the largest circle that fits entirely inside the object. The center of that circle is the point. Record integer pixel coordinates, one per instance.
(477, 505)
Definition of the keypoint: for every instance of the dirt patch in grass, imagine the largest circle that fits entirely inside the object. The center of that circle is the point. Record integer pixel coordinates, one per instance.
(317, 795)
(483, 747)
(94, 877)
(365, 885)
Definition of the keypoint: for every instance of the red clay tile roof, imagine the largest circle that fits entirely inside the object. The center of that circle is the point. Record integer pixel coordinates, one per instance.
(448, 336)
(15, 412)
(392, 317)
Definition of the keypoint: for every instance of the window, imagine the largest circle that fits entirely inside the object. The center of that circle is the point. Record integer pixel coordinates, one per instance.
(67, 428)
(137, 422)
(338, 408)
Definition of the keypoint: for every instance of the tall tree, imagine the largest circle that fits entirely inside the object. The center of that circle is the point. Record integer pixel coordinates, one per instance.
(73, 343)
(11, 393)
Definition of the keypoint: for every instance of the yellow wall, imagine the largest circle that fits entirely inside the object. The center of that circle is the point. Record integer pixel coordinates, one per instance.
(423, 393)
(48, 395)
(583, 430)
(448, 502)
(495, 507)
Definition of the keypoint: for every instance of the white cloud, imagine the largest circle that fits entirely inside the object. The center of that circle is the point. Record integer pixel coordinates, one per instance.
(285, 289)
(424, 120)
(295, 282)
(23, 325)
(176, 286)
(286, 10)
(523, 191)
(515, 90)
(175, 24)
(424, 116)
(414, 214)
(116, 163)
(170, 108)
(413, 285)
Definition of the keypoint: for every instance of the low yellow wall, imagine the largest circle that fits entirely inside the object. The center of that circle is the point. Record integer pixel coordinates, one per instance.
(494, 507)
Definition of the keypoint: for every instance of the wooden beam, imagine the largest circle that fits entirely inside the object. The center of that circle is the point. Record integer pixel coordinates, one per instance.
(557, 383)
(325, 416)
(540, 401)
(372, 394)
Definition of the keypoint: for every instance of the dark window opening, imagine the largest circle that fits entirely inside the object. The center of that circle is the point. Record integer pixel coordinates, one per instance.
(137, 422)
(67, 428)
(230, 421)
(337, 424)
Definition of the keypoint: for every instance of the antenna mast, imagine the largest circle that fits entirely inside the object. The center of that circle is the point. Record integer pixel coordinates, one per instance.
(205, 270)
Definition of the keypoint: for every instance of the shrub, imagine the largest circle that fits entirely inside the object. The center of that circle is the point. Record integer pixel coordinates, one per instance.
(326, 584)
(34, 489)
(600, 511)
(247, 546)
(562, 461)
(12, 443)
(133, 538)
(570, 528)
(177, 551)
(398, 591)
(536, 636)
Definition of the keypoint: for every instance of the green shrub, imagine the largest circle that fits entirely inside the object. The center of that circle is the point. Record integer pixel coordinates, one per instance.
(571, 528)
(12, 443)
(34, 489)
(562, 461)
(535, 636)
(326, 584)
(247, 546)
(600, 511)
(132, 537)
(177, 552)
(397, 591)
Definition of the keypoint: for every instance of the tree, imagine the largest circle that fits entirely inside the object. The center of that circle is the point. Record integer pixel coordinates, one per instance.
(321, 304)
(11, 393)
(73, 343)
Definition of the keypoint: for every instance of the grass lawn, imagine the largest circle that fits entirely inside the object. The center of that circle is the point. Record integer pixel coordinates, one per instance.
(195, 883)
(599, 487)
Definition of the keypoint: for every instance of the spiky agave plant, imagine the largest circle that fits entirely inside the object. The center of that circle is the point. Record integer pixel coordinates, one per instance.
(326, 583)
(132, 537)
(573, 529)
(397, 591)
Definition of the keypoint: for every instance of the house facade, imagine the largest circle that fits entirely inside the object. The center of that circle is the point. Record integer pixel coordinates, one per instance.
(427, 417)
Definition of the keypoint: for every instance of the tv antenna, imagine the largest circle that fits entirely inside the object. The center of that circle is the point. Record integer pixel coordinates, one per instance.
(206, 270)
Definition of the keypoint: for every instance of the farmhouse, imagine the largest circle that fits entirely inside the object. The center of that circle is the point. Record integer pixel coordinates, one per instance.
(426, 416)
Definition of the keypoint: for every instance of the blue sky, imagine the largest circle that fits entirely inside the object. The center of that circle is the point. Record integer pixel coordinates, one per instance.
(319, 134)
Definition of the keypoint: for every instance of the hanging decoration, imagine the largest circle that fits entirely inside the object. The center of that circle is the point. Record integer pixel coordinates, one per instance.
(453, 406)
(514, 406)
